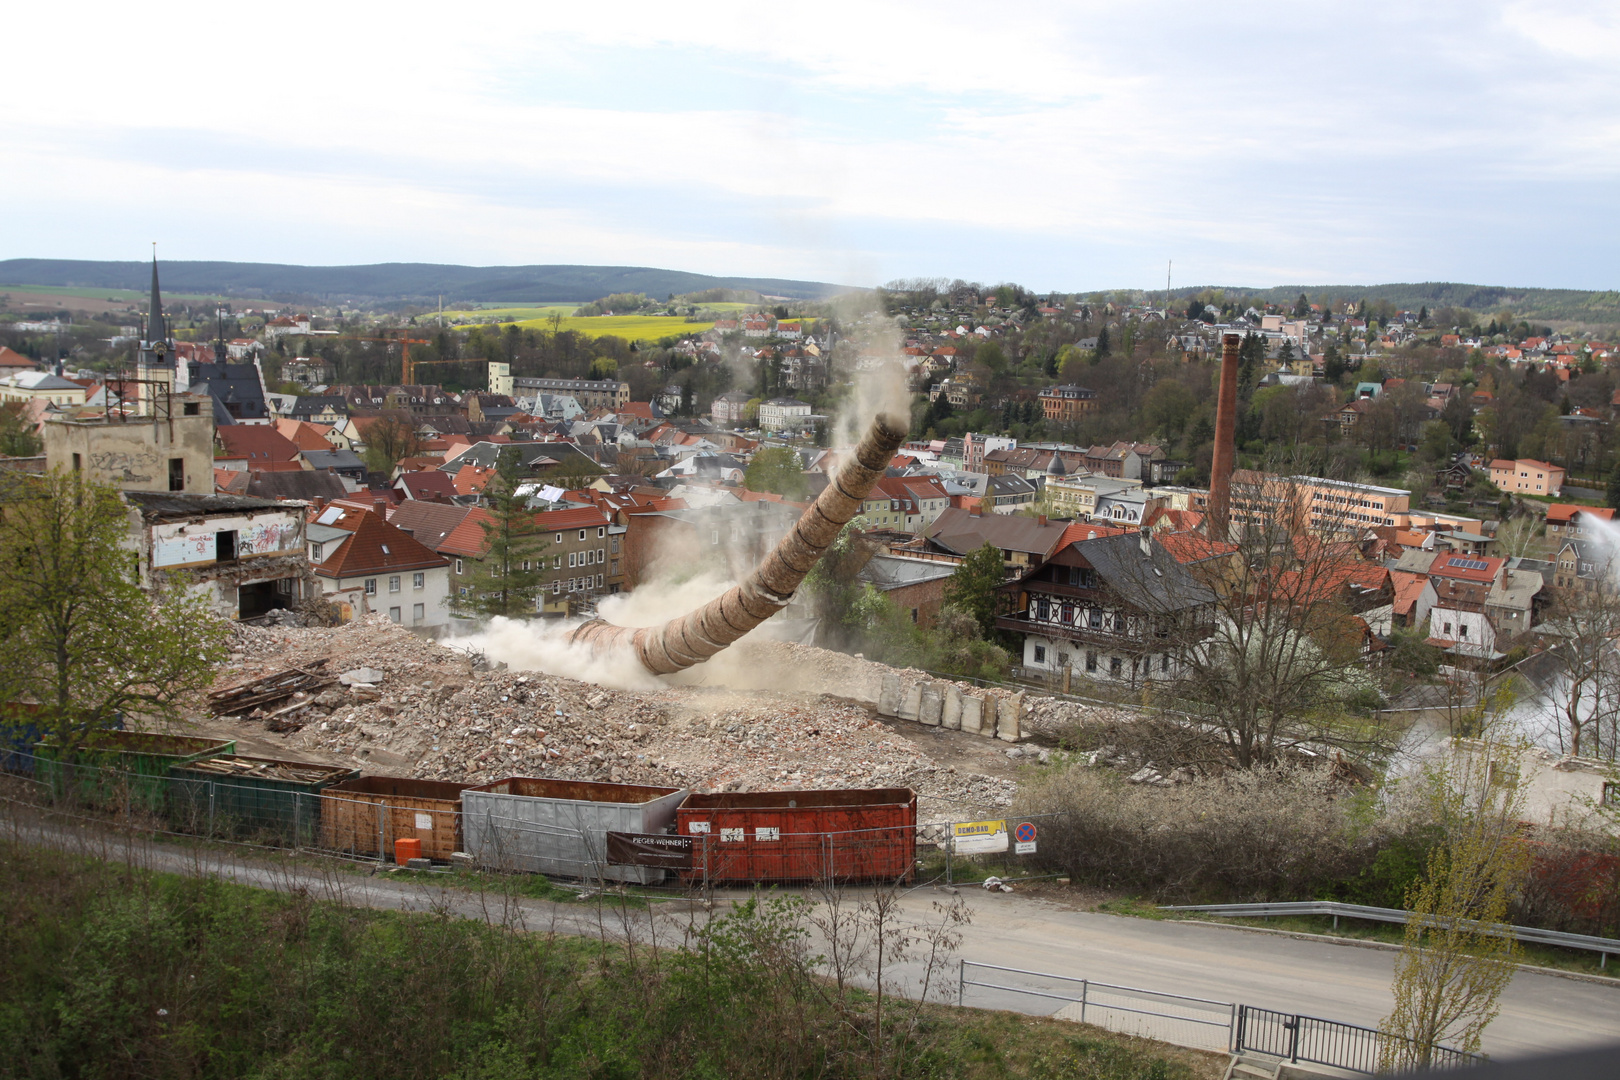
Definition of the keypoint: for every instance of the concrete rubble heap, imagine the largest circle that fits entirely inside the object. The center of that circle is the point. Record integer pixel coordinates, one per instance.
(420, 709)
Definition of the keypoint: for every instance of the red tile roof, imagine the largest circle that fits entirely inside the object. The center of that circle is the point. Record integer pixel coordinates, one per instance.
(256, 443)
(468, 538)
(580, 518)
(376, 547)
(1408, 587)
(470, 479)
(431, 484)
(304, 435)
(1447, 566)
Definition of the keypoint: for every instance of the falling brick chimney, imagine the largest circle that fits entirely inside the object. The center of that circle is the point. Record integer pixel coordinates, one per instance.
(1220, 472)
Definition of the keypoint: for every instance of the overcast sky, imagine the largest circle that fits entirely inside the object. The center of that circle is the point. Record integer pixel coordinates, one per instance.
(1063, 146)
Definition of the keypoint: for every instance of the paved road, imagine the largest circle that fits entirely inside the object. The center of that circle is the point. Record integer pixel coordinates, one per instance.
(1540, 1013)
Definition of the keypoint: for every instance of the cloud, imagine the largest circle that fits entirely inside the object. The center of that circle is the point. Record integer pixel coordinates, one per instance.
(1076, 147)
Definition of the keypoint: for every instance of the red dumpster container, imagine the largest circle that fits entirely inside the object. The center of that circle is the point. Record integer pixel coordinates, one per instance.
(842, 835)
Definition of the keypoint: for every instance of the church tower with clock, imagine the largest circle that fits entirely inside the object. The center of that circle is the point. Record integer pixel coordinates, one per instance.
(155, 356)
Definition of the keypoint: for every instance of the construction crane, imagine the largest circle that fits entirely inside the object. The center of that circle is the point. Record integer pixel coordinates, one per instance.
(407, 370)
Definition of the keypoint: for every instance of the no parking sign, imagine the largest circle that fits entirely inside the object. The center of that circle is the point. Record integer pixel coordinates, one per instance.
(1024, 838)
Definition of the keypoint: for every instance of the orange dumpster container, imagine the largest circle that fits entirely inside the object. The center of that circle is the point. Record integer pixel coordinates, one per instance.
(407, 848)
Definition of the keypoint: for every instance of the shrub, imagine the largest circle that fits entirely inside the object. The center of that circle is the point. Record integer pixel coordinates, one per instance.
(1271, 834)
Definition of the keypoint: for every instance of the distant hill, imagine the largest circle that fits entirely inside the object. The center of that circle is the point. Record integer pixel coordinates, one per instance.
(1557, 305)
(396, 282)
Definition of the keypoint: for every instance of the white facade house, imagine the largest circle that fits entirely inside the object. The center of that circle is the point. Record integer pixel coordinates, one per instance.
(366, 565)
(784, 414)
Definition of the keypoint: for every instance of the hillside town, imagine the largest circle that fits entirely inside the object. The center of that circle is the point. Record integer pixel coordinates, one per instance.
(1451, 458)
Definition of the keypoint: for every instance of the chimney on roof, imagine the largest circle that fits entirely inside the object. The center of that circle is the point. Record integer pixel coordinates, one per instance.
(1144, 538)
(1220, 473)
(1041, 519)
(380, 504)
(976, 509)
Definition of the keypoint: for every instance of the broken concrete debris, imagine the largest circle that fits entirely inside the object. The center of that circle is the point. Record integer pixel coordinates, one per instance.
(421, 710)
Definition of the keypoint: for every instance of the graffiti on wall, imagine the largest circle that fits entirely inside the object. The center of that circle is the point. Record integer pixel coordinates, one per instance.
(268, 538)
(184, 550)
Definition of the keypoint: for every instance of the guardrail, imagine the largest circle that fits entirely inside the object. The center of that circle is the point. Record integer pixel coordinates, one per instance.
(1291, 1037)
(1603, 946)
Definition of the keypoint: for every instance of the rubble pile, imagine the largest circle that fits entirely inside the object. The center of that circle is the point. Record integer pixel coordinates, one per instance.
(408, 706)
(1054, 717)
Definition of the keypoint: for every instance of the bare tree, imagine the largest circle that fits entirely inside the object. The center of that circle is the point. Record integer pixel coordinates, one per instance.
(1585, 618)
(1282, 665)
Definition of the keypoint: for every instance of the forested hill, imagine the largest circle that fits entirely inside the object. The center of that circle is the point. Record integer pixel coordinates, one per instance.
(421, 282)
(1576, 305)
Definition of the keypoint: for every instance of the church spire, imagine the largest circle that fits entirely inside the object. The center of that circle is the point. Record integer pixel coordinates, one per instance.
(156, 350)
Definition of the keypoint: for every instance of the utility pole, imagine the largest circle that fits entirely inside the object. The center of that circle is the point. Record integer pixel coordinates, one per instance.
(1168, 264)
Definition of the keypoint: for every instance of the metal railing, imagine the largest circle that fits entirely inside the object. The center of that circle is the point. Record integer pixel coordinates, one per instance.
(1095, 996)
(1603, 946)
(1291, 1037)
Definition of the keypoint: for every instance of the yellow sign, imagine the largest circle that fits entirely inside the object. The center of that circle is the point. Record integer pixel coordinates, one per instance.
(978, 837)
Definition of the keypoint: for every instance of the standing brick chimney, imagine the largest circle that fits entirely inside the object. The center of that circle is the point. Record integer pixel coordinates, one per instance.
(1220, 472)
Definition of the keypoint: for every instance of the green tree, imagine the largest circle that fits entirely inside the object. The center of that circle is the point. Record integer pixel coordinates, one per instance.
(1167, 407)
(507, 579)
(971, 589)
(604, 367)
(17, 436)
(1302, 307)
(1614, 488)
(776, 469)
(80, 636)
(1102, 344)
(1460, 953)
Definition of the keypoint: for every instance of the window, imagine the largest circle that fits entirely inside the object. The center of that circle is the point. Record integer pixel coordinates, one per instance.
(582, 534)
(393, 613)
(177, 473)
(1096, 618)
(1063, 660)
(601, 556)
(1040, 654)
(714, 536)
(559, 538)
(1114, 666)
(614, 545)
(1462, 631)
(601, 531)
(556, 587)
(598, 581)
(189, 409)
(225, 545)
(573, 559)
(393, 583)
(315, 553)
(371, 586)
(459, 568)
(1164, 662)
(556, 562)
(418, 581)
(78, 463)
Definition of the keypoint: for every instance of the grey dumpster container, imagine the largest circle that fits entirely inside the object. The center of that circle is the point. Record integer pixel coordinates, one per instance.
(560, 827)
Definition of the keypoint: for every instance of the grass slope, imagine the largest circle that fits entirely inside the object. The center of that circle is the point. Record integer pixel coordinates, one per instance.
(114, 972)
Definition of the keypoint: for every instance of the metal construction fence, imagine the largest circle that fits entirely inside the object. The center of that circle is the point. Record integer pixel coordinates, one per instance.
(362, 818)
(1202, 1023)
